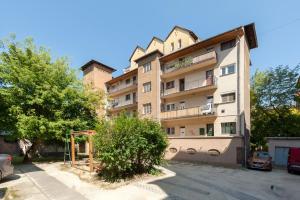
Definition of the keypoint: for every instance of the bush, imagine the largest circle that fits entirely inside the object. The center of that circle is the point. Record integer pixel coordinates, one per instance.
(128, 145)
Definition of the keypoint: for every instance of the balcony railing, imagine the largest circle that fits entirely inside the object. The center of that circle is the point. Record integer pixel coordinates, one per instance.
(203, 110)
(189, 61)
(118, 104)
(190, 85)
(121, 87)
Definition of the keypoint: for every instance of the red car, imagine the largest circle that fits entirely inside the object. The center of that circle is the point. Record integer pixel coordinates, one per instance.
(294, 160)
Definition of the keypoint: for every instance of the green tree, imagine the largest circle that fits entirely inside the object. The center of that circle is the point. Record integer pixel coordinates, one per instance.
(129, 145)
(40, 98)
(272, 104)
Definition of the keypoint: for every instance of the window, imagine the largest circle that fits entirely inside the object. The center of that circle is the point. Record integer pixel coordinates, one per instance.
(170, 107)
(201, 131)
(147, 108)
(147, 67)
(210, 129)
(227, 98)
(228, 44)
(127, 81)
(230, 69)
(170, 85)
(170, 131)
(172, 46)
(179, 44)
(127, 97)
(147, 87)
(134, 79)
(228, 128)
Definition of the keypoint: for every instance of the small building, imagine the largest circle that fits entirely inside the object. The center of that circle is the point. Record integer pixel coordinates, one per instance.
(279, 148)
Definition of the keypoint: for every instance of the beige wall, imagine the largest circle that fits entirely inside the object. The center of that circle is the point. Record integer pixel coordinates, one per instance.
(228, 148)
(152, 97)
(95, 76)
(154, 45)
(176, 34)
(137, 54)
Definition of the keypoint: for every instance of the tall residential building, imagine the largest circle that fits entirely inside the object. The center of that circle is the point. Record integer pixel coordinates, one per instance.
(198, 89)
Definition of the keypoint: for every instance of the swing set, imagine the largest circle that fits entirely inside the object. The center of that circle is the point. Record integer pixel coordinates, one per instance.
(75, 163)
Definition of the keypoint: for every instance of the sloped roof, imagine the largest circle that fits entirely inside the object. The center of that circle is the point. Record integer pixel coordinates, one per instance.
(185, 29)
(110, 69)
(155, 38)
(137, 47)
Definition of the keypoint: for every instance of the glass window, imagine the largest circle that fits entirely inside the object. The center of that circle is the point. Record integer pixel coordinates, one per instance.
(170, 85)
(147, 87)
(230, 69)
(147, 108)
(179, 44)
(227, 98)
(127, 97)
(127, 81)
(228, 128)
(147, 67)
(170, 107)
(228, 44)
(210, 129)
(134, 79)
(170, 131)
(201, 131)
(172, 46)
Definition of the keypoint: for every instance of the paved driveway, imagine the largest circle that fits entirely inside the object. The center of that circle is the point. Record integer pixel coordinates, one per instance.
(207, 182)
(46, 181)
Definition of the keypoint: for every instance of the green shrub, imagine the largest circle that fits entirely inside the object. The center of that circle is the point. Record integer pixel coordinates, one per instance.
(128, 145)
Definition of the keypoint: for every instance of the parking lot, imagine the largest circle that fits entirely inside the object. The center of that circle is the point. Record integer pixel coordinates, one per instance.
(185, 181)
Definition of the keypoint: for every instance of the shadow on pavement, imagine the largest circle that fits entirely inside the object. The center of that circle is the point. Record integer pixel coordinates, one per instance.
(2, 192)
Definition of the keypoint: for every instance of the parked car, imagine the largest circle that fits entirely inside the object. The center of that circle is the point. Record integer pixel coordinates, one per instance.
(293, 164)
(260, 160)
(6, 168)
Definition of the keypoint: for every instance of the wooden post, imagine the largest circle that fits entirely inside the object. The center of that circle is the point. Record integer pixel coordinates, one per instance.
(91, 153)
(72, 149)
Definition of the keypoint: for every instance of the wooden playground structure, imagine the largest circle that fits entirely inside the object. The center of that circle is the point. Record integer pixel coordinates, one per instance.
(90, 162)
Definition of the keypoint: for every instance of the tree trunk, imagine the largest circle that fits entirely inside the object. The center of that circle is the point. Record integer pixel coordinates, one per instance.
(32, 152)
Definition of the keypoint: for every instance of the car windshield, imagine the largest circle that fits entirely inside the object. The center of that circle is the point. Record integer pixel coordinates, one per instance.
(261, 154)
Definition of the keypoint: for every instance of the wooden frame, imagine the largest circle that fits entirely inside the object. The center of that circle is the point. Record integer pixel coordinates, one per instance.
(89, 133)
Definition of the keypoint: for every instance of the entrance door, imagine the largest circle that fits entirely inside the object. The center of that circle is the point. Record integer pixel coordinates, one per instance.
(182, 131)
(182, 105)
(210, 129)
(209, 77)
(181, 85)
(281, 156)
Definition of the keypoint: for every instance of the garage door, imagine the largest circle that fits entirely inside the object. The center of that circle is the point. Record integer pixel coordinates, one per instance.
(281, 155)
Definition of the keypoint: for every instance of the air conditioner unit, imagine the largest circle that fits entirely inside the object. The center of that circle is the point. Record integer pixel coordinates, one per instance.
(207, 109)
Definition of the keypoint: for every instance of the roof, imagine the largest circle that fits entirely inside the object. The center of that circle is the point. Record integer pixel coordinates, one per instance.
(249, 31)
(155, 38)
(123, 76)
(137, 47)
(185, 29)
(110, 69)
(149, 54)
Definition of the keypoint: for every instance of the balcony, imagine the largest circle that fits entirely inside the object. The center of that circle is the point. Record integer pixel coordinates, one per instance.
(190, 87)
(121, 105)
(189, 64)
(123, 88)
(205, 111)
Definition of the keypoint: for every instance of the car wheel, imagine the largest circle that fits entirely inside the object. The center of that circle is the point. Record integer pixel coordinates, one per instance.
(289, 170)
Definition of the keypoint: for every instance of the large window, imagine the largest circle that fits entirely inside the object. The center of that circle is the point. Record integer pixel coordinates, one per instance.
(228, 44)
(230, 69)
(170, 85)
(170, 131)
(147, 87)
(147, 108)
(228, 128)
(127, 81)
(147, 67)
(228, 98)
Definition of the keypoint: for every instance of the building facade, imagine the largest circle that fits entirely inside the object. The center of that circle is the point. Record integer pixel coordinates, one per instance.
(199, 90)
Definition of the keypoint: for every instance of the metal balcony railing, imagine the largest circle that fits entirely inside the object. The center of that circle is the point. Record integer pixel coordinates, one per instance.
(189, 61)
(189, 112)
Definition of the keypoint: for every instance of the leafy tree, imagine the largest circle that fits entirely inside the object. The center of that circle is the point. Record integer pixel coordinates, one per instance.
(272, 104)
(40, 98)
(128, 146)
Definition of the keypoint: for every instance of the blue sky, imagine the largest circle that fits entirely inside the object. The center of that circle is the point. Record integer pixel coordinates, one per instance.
(109, 31)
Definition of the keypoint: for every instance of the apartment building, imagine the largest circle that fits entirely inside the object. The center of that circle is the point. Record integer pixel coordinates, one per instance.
(198, 89)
